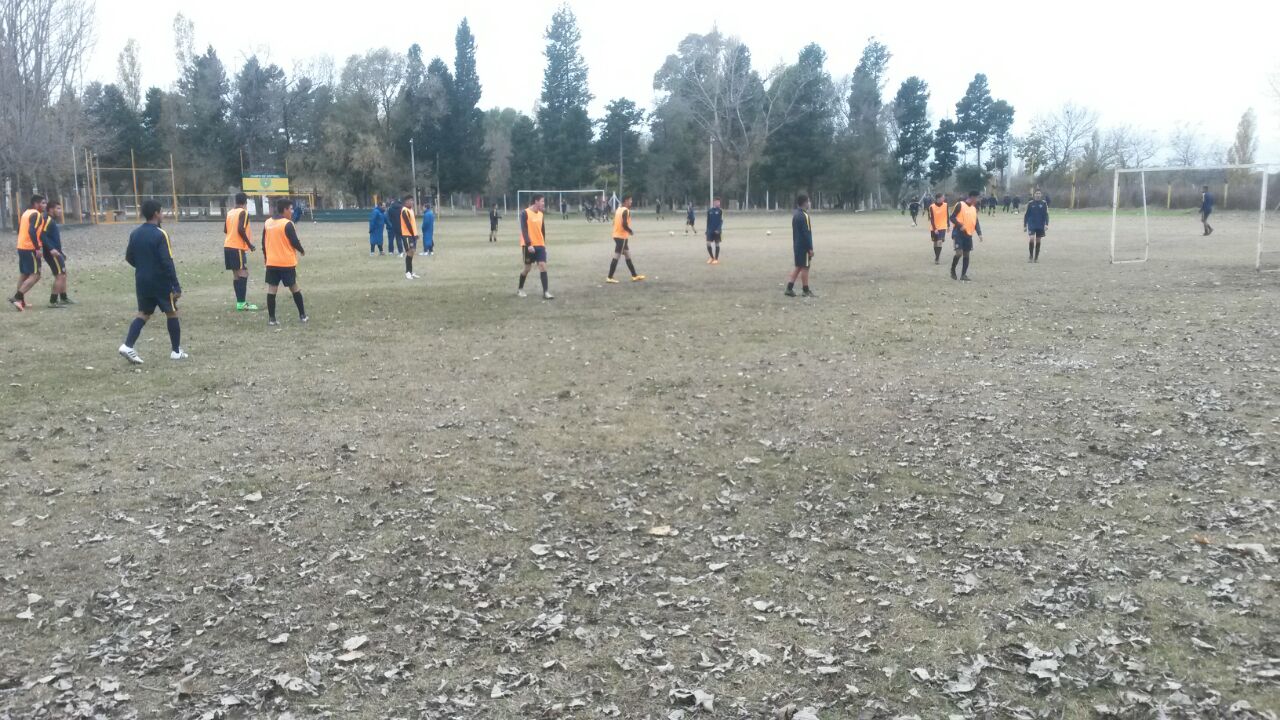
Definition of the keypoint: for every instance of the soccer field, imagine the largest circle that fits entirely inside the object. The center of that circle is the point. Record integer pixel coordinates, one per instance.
(1050, 492)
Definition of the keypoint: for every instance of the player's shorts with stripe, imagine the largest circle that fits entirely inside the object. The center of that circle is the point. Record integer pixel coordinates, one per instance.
(713, 236)
(57, 264)
(1037, 233)
(964, 241)
(802, 258)
(287, 276)
(149, 302)
(235, 259)
(534, 254)
(621, 245)
(28, 262)
(938, 236)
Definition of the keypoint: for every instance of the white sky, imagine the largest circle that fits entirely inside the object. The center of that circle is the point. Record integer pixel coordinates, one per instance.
(1151, 65)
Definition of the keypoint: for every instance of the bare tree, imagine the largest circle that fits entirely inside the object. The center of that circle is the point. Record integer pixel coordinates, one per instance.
(1129, 147)
(1058, 141)
(129, 74)
(42, 47)
(184, 40)
(1186, 147)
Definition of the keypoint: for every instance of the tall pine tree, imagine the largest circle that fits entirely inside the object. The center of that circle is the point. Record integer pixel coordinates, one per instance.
(973, 115)
(210, 160)
(866, 146)
(911, 111)
(563, 123)
(526, 156)
(619, 134)
(793, 155)
(468, 160)
(945, 155)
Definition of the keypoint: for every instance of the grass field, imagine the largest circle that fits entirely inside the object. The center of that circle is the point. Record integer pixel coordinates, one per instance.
(1051, 492)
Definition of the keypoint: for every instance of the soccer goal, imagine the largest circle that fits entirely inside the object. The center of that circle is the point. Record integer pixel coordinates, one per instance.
(572, 201)
(1164, 198)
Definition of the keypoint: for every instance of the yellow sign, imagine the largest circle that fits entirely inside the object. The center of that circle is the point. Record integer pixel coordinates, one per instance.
(266, 184)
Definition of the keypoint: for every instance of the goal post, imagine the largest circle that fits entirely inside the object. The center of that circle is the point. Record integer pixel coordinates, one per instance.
(1188, 179)
(557, 196)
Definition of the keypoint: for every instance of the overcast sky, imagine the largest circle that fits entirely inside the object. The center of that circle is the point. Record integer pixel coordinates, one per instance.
(1151, 65)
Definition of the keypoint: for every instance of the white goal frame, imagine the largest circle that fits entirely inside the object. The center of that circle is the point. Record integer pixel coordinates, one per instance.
(558, 194)
(1264, 168)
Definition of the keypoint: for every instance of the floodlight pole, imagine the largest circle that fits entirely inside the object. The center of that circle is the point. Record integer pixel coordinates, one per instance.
(413, 168)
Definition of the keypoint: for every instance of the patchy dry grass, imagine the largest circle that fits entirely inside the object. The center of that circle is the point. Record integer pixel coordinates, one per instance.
(1010, 498)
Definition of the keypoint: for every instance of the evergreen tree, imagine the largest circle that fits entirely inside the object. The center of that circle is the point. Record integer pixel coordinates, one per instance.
(793, 155)
(1001, 121)
(618, 132)
(526, 155)
(973, 115)
(563, 123)
(866, 144)
(210, 161)
(468, 160)
(945, 154)
(911, 111)
(257, 114)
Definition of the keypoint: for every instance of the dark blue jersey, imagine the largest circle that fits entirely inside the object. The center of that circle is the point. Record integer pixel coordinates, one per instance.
(715, 220)
(801, 231)
(1206, 202)
(1037, 217)
(151, 256)
(51, 237)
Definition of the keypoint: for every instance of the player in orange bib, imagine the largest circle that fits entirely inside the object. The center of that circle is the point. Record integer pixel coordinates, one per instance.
(939, 221)
(29, 228)
(966, 225)
(280, 250)
(236, 248)
(621, 242)
(533, 244)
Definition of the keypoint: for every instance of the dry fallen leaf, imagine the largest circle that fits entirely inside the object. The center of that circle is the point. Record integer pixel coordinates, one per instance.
(540, 549)
(663, 531)
(253, 497)
(350, 656)
(355, 643)
(280, 639)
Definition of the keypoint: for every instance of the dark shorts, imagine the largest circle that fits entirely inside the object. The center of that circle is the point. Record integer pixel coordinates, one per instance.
(802, 258)
(493, 227)
(689, 222)
(28, 262)
(287, 276)
(713, 236)
(149, 302)
(964, 241)
(235, 259)
(1204, 214)
(1037, 234)
(58, 265)
(534, 254)
(938, 235)
(915, 212)
(411, 243)
(621, 245)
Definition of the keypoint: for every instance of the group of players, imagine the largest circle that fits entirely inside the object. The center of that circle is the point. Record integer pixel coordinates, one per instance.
(158, 288)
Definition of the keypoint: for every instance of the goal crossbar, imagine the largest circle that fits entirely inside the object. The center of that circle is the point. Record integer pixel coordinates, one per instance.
(1264, 168)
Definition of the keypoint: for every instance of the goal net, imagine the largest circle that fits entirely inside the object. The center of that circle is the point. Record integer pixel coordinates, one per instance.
(579, 201)
(1164, 206)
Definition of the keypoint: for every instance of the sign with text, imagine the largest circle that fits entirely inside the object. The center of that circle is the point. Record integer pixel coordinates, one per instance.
(265, 184)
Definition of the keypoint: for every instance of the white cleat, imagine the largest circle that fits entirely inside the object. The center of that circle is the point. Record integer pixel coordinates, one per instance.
(416, 276)
(179, 354)
(130, 354)
(408, 276)
(521, 293)
(548, 296)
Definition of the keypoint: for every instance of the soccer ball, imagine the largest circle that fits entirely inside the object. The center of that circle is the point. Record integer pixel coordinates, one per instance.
(768, 232)
(671, 232)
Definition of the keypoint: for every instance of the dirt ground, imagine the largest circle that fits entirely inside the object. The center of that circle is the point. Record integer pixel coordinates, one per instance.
(1048, 493)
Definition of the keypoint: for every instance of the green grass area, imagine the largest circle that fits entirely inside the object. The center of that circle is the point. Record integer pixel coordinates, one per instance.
(574, 508)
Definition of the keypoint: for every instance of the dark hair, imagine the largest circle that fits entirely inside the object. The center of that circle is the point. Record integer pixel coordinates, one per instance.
(974, 193)
(535, 199)
(54, 204)
(626, 198)
(241, 198)
(35, 199)
(283, 204)
(717, 199)
(406, 198)
(801, 200)
(939, 196)
(150, 209)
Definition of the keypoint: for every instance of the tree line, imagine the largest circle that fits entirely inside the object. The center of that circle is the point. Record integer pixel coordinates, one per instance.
(346, 131)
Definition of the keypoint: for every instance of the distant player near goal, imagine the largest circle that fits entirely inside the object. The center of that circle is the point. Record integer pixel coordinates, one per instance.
(690, 217)
(914, 208)
(1036, 223)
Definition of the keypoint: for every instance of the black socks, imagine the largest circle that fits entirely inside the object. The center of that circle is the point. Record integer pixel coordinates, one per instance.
(175, 334)
(241, 286)
(271, 306)
(297, 300)
(408, 263)
(937, 253)
(543, 276)
(523, 276)
(632, 268)
(613, 267)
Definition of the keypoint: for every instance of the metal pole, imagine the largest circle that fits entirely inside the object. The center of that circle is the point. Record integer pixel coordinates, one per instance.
(137, 199)
(75, 175)
(711, 174)
(173, 185)
(97, 176)
(1146, 223)
(413, 168)
(620, 195)
(1115, 207)
(1262, 221)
